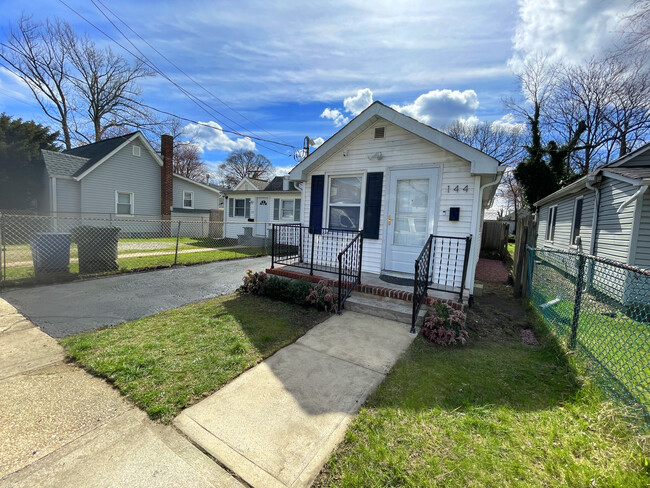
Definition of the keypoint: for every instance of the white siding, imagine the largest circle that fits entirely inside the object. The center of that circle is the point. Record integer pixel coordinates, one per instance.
(204, 199)
(68, 197)
(236, 225)
(400, 150)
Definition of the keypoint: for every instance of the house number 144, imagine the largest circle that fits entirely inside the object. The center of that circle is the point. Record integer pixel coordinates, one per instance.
(457, 188)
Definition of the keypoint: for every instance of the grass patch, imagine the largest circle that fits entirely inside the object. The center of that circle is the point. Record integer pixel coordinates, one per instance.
(168, 361)
(493, 413)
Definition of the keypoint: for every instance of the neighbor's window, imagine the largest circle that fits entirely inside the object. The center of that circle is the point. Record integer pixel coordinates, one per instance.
(550, 223)
(124, 203)
(345, 202)
(286, 209)
(188, 199)
(577, 219)
(239, 207)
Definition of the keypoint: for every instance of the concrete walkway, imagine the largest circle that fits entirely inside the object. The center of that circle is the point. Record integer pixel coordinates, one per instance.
(60, 426)
(81, 306)
(276, 425)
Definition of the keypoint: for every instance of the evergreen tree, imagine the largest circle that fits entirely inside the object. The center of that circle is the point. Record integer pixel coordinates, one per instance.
(21, 164)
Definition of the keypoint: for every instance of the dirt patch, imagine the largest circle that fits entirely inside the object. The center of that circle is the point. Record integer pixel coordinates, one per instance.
(491, 271)
(528, 337)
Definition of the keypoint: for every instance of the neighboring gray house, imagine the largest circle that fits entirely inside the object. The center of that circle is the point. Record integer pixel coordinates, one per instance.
(605, 214)
(255, 204)
(124, 178)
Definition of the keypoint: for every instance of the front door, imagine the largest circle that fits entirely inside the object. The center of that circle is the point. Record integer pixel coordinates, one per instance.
(261, 216)
(412, 203)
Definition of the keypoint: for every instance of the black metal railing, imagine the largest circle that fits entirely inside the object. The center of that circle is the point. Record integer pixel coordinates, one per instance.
(421, 280)
(349, 269)
(441, 266)
(332, 251)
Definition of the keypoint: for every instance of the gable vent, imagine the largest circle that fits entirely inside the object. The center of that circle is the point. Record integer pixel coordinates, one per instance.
(136, 150)
(379, 132)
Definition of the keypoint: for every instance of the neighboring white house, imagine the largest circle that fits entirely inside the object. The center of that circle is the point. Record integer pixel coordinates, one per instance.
(604, 214)
(253, 205)
(122, 177)
(399, 181)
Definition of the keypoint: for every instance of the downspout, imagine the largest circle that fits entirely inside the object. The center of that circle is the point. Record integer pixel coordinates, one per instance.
(638, 194)
(594, 219)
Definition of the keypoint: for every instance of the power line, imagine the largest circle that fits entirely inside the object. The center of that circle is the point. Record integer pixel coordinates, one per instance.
(192, 98)
(184, 73)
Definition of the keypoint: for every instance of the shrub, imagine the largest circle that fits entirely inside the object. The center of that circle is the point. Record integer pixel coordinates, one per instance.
(277, 288)
(322, 296)
(254, 282)
(300, 289)
(445, 326)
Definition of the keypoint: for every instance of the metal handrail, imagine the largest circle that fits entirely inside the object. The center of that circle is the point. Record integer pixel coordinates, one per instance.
(357, 280)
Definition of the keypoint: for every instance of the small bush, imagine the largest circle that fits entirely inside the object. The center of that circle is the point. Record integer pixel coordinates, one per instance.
(300, 289)
(277, 288)
(254, 282)
(445, 326)
(322, 296)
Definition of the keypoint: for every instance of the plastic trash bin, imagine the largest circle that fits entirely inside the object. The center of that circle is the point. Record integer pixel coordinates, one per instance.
(97, 248)
(51, 252)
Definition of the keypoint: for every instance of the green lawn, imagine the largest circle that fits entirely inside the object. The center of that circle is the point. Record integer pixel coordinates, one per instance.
(166, 362)
(25, 275)
(496, 413)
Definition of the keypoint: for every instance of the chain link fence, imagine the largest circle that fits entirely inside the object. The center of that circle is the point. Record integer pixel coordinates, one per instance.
(38, 249)
(601, 310)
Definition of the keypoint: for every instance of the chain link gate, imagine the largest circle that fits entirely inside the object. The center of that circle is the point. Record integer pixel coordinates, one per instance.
(601, 310)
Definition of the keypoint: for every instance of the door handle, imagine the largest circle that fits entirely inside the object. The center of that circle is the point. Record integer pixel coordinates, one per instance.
(389, 220)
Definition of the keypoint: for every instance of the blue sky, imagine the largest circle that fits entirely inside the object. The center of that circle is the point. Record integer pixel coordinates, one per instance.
(293, 69)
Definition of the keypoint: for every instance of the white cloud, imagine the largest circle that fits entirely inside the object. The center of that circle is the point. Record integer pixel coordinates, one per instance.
(282, 170)
(318, 142)
(336, 116)
(440, 107)
(213, 138)
(507, 122)
(359, 102)
(12, 86)
(567, 30)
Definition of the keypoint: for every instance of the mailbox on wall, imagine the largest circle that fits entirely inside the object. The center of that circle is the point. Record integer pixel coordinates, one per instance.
(454, 214)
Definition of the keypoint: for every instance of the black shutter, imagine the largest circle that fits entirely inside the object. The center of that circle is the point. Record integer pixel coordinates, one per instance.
(372, 210)
(316, 207)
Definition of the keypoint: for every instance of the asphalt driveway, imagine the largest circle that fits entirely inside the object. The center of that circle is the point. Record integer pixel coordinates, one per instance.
(70, 308)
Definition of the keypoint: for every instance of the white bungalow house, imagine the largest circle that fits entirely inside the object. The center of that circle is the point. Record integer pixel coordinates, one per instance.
(398, 181)
(254, 205)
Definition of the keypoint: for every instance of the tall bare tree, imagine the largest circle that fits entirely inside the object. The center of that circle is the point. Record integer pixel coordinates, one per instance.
(35, 53)
(502, 143)
(187, 162)
(244, 164)
(61, 67)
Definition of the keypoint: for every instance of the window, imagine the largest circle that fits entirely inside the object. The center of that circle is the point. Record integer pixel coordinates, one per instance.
(123, 203)
(286, 209)
(550, 223)
(577, 219)
(239, 207)
(188, 199)
(344, 206)
(136, 151)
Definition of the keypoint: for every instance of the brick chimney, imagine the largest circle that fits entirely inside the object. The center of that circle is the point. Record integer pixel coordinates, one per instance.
(167, 179)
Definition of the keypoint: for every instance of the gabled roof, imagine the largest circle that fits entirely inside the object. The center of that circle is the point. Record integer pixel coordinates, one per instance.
(634, 175)
(198, 183)
(276, 184)
(60, 164)
(257, 183)
(80, 161)
(481, 163)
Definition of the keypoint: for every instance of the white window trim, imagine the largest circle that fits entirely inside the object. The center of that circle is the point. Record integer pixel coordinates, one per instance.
(362, 197)
(136, 151)
(293, 207)
(132, 197)
(550, 235)
(573, 220)
(234, 208)
(191, 193)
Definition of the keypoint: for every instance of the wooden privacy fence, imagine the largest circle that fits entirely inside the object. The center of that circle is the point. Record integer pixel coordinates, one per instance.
(526, 236)
(494, 237)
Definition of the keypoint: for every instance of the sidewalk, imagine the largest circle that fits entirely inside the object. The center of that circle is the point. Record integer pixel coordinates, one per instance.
(277, 424)
(60, 426)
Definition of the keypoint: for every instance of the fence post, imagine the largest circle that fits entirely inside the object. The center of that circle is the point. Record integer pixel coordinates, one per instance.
(311, 263)
(340, 272)
(576, 306)
(468, 245)
(529, 271)
(178, 234)
(360, 255)
(3, 255)
(272, 246)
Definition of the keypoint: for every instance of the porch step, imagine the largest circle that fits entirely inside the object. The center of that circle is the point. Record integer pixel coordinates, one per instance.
(386, 308)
